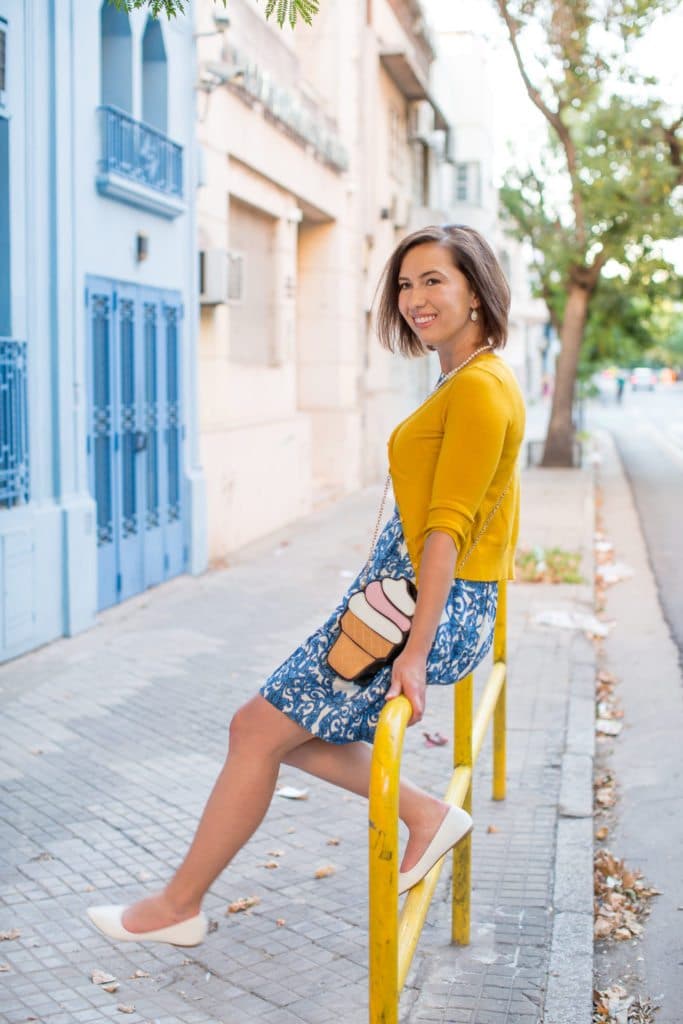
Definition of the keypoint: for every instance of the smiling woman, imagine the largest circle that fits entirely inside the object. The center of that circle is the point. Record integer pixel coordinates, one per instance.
(422, 609)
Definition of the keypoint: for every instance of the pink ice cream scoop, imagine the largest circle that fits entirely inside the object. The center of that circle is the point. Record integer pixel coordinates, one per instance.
(380, 602)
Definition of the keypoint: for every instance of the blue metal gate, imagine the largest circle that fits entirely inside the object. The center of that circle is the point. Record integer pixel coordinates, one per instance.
(135, 435)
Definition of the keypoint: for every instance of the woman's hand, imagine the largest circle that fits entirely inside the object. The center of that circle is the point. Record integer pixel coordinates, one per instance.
(409, 677)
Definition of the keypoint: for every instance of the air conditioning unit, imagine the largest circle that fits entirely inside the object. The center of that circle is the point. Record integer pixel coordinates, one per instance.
(213, 277)
(421, 121)
(400, 210)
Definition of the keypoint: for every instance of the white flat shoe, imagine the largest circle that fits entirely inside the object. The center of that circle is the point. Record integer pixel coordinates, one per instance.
(187, 933)
(455, 826)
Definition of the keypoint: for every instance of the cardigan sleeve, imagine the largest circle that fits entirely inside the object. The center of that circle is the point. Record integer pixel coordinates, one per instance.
(476, 421)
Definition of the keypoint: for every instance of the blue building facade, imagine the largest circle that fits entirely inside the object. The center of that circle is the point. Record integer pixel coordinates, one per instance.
(101, 491)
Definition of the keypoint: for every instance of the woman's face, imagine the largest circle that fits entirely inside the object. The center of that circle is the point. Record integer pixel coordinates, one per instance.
(434, 297)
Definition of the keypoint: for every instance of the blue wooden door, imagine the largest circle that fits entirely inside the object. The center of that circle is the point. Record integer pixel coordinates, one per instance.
(135, 435)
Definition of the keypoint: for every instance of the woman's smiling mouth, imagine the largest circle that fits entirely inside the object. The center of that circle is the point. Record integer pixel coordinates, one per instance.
(424, 321)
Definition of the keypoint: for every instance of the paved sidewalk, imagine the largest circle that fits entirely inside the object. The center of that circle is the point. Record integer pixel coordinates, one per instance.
(109, 744)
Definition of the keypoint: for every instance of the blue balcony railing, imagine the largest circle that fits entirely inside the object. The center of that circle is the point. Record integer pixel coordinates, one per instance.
(14, 470)
(140, 154)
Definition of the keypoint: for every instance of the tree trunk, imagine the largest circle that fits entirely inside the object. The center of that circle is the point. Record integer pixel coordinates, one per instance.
(560, 437)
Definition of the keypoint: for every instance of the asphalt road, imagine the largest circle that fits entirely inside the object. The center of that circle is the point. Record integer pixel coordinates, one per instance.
(648, 430)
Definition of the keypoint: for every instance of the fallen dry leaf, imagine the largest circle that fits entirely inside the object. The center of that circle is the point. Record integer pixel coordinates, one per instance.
(113, 987)
(10, 936)
(333, 842)
(492, 828)
(325, 871)
(281, 922)
(144, 974)
(245, 903)
(276, 853)
(434, 739)
(270, 864)
(88, 888)
(126, 1008)
(4, 968)
(602, 833)
(606, 796)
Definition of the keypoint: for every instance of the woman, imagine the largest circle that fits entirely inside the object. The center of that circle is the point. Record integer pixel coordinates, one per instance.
(453, 466)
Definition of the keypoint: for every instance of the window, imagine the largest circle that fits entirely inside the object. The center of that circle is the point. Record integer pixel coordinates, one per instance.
(468, 183)
(253, 310)
(116, 80)
(154, 78)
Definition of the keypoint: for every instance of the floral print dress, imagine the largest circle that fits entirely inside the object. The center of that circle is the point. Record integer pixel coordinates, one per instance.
(307, 690)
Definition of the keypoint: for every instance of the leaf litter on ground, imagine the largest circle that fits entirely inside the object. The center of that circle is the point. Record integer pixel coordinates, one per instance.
(242, 904)
(621, 898)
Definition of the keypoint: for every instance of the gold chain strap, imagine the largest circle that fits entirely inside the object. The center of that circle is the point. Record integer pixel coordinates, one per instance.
(486, 524)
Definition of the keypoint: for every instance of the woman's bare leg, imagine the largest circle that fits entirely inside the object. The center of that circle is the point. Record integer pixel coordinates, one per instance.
(348, 765)
(260, 737)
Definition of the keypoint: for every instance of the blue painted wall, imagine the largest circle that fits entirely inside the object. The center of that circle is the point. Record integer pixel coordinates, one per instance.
(61, 231)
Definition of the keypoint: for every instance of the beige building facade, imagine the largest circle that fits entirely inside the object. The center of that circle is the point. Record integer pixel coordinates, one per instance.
(319, 149)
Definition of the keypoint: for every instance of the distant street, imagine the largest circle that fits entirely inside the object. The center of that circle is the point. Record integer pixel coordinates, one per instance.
(648, 430)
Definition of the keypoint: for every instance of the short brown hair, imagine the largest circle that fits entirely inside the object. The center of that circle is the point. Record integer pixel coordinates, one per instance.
(473, 257)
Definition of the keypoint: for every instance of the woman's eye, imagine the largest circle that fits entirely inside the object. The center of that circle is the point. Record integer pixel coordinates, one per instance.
(433, 280)
(402, 285)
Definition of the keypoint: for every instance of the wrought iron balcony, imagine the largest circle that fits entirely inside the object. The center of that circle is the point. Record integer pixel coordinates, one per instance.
(14, 469)
(139, 165)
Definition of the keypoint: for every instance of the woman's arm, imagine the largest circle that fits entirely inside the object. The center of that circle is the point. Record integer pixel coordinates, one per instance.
(436, 576)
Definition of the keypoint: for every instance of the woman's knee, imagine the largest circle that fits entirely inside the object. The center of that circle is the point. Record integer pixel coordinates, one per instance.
(260, 728)
(243, 725)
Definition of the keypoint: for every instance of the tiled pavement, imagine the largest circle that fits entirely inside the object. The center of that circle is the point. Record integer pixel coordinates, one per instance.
(109, 744)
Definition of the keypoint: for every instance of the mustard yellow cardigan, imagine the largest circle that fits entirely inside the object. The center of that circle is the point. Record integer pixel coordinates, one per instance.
(450, 461)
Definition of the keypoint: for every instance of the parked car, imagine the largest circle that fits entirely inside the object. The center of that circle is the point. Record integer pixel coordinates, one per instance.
(643, 379)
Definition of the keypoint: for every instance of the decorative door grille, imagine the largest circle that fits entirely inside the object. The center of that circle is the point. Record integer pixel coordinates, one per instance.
(14, 458)
(136, 435)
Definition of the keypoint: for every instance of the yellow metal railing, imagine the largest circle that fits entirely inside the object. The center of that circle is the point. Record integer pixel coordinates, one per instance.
(393, 937)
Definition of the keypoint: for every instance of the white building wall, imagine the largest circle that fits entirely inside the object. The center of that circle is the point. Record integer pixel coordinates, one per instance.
(464, 79)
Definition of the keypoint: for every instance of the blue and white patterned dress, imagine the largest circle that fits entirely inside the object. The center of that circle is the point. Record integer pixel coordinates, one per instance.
(306, 689)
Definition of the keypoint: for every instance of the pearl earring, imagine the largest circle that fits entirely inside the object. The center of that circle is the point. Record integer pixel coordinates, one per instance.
(474, 315)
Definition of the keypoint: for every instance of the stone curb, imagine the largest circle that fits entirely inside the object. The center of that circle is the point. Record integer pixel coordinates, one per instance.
(569, 996)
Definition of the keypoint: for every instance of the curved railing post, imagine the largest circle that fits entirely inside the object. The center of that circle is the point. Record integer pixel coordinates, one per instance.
(463, 704)
(500, 714)
(383, 860)
(393, 939)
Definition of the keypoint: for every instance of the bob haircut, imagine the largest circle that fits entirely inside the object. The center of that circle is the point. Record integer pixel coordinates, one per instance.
(473, 257)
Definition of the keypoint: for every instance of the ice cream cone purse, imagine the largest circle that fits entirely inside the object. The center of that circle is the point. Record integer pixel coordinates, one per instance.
(373, 628)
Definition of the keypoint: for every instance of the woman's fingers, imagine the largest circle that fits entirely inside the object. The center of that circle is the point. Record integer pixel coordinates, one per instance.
(411, 684)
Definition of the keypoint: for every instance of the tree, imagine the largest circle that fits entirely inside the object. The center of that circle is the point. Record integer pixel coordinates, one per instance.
(615, 149)
(285, 10)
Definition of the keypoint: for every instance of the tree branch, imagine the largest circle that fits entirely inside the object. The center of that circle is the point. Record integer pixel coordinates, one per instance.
(554, 117)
